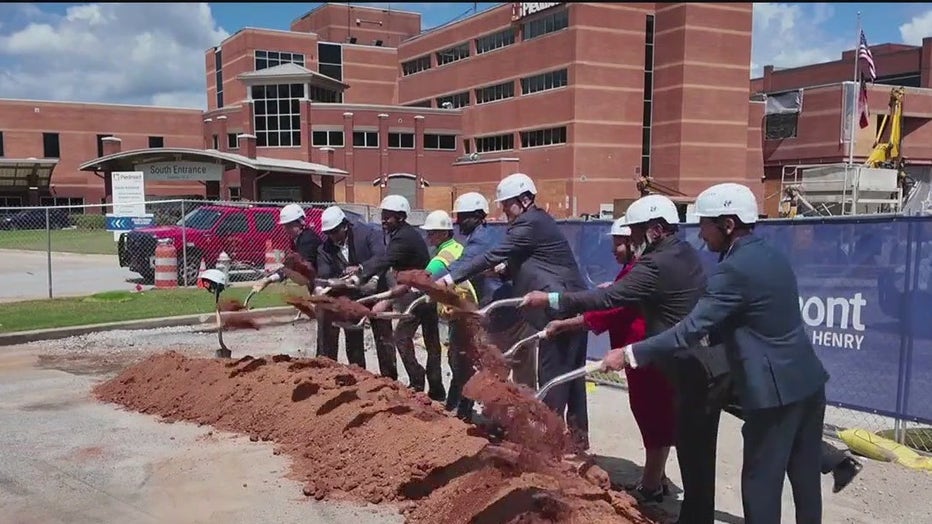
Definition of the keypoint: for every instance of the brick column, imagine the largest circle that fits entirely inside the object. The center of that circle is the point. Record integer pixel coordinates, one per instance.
(221, 127)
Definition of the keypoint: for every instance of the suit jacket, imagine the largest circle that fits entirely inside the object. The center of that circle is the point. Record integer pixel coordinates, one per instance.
(406, 250)
(538, 257)
(364, 241)
(752, 304)
(665, 284)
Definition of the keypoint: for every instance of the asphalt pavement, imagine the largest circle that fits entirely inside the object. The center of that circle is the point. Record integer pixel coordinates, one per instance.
(25, 275)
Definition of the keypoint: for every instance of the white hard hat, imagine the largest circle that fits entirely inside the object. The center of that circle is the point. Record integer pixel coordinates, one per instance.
(396, 203)
(331, 218)
(214, 275)
(514, 185)
(468, 202)
(438, 221)
(290, 213)
(620, 228)
(648, 208)
(728, 199)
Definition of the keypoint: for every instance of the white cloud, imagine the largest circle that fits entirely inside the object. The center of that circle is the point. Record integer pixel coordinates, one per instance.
(123, 53)
(917, 28)
(791, 35)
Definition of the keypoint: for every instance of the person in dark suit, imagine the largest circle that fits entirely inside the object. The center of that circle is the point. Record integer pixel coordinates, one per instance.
(539, 257)
(751, 305)
(665, 284)
(347, 246)
(407, 250)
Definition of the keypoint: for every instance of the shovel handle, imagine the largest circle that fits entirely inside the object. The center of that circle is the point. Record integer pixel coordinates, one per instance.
(514, 349)
(590, 367)
(417, 302)
(376, 297)
(501, 303)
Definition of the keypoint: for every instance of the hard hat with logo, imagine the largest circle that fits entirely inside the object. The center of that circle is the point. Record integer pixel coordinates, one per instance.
(331, 218)
(728, 199)
(290, 213)
(513, 186)
(212, 280)
(395, 203)
(620, 228)
(438, 221)
(468, 202)
(651, 207)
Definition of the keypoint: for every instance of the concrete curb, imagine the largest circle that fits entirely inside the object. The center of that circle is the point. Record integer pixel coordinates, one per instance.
(285, 314)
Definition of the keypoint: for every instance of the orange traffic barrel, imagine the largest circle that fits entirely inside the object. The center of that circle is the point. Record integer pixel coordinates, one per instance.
(166, 265)
(272, 262)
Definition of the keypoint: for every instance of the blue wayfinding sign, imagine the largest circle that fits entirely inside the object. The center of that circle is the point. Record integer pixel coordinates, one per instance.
(128, 223)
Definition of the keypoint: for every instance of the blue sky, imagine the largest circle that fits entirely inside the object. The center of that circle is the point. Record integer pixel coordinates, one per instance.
(153, 53)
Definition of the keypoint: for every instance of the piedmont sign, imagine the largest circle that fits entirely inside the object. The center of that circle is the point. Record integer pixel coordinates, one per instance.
(521, 9)
(182, 171)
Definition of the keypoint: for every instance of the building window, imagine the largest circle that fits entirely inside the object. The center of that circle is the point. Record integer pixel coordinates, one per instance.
(902, 79)
(10, 201)
(648, 95)
(50, 145)
(327, 138)
(215, 142)
(218, 66)
(415, 66)
(422, 103)
(365, 139)
(496, 92)
(487, 43)
(232, 141)
(778, 126)
(401, 140)
(325, 96)
(485, 144)
(455, 100)
(156, 141)
(544, 81)
(267, 59)
(543, 137)
(1, 144)
(453, 54)
(441, 142)
(278, 114)
(545, 25)
(234, 193)
(100, 144)
(330, 60)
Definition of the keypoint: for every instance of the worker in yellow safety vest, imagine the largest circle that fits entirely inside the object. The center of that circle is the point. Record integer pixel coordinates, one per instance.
(439, 228)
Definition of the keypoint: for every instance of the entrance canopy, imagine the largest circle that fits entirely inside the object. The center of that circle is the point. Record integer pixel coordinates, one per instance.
(18, 174)
(128, 160)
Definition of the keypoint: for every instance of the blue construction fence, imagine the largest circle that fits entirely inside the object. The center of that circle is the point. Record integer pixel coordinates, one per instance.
(864, 295)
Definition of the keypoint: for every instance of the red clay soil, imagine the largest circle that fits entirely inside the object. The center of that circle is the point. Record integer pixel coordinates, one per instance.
(343, 308)
(352, 435)
(298, 270)
(302, 304)
(420, 279)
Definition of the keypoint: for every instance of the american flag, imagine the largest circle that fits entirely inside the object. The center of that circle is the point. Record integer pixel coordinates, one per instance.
(864, 54)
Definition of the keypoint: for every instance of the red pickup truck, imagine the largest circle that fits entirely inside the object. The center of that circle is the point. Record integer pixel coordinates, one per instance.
(240, 231)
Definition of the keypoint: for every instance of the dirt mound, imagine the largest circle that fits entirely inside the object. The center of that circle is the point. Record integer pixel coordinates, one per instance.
(353, 435)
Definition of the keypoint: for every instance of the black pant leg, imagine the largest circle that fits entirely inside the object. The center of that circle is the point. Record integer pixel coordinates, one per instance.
(355, 346)
(385, 348)
(328, 336)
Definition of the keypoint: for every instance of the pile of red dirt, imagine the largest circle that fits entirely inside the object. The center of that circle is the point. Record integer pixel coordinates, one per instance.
(352, 435)
(420, 279)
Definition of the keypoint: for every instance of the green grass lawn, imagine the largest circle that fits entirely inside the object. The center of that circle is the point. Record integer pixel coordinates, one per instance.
(86, 241)
(116, 306)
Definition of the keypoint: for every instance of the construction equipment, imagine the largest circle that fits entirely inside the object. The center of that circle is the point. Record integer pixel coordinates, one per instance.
(646, 185)
(879, 185)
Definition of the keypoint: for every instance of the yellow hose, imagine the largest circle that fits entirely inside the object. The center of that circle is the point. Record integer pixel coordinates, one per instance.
(875, 447)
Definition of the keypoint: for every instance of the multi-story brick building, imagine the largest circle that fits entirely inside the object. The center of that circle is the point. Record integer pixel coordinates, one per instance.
(354, 102)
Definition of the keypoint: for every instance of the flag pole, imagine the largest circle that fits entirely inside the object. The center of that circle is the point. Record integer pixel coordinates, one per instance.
(857, 95)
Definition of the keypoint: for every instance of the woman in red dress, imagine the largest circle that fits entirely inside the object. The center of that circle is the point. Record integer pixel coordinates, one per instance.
(649, 393)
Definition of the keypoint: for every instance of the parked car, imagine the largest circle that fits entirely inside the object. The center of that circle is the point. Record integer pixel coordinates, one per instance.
(239, 230)
(35, 219)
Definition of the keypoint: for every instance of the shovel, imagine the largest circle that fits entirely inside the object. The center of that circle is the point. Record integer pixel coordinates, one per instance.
(361, 324)
(540, 335)
(224, 351)
(590, 367)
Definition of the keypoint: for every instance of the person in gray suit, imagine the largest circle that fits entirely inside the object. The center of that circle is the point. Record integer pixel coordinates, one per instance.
(538, 256)
(751, 304)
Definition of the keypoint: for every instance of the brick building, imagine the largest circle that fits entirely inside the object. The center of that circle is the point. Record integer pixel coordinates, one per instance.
(815, 134)
(354, 102)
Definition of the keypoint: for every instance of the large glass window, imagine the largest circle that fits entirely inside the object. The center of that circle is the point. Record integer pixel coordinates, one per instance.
(267, 59)
(330, 60)
(278, 114)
